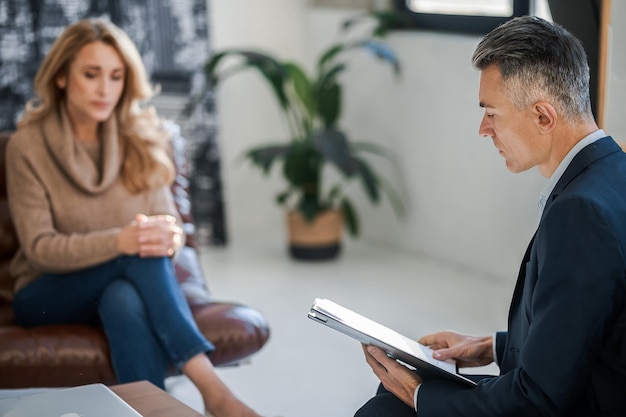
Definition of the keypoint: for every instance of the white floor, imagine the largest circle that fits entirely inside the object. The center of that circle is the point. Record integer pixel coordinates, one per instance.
(308, 370)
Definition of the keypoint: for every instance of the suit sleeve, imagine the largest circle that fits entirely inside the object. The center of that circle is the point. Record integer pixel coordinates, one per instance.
(572, 295)
(500, 343)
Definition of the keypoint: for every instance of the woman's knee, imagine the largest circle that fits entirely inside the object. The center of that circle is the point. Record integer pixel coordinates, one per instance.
(120, 297)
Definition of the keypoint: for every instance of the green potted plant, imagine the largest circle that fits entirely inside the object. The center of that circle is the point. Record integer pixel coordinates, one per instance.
(311, 105)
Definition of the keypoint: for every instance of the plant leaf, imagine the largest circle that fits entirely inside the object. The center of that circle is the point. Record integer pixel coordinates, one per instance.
(386, 21)
(210, 68)
(332, 195)
(193, 102)
(302, 87)
(382, 51)
(350, 218)
(270, 68)
(328, 55)
(328, 96)
(334, 146)
(329, 105)
(264, 156)
(330, 77)
(302, 166)
(349, 23)
(393, 196)
(309, 207)
(368, 180)
(281, 198)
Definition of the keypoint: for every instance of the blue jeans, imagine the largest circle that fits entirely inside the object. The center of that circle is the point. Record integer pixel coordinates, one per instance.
(137, 301)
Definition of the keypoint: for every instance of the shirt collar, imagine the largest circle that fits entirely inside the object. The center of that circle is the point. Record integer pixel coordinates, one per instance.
(547, 190)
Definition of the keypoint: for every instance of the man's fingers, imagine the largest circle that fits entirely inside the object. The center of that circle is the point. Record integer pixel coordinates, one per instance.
(376, 366)
(381, 359)
(428, 340)
(395, 377)
(379, 355)
(438, 340)
(444, 354)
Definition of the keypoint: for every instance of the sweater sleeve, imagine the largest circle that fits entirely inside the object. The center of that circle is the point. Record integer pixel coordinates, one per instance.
(41, 244)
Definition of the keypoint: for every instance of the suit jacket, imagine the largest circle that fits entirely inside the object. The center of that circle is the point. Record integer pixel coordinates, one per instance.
(564, 353)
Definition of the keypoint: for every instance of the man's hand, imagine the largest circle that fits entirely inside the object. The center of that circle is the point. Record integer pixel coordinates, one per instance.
(396, 378)
(468, 351)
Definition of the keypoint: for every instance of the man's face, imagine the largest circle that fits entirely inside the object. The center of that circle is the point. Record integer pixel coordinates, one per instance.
(513, 131)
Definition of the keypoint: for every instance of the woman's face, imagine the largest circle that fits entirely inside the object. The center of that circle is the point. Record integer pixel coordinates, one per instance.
(94, 83)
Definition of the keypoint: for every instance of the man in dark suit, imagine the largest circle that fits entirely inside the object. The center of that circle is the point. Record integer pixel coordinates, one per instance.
(564, 353)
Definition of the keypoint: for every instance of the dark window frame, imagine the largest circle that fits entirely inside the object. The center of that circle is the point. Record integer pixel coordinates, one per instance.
(470, 24)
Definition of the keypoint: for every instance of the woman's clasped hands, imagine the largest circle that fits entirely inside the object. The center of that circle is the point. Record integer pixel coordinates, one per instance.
(151, 236)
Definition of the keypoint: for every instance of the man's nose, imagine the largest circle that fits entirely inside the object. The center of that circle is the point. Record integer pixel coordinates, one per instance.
(485, 128)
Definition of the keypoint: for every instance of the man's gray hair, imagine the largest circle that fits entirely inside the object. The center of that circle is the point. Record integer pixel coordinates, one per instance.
(538, 60)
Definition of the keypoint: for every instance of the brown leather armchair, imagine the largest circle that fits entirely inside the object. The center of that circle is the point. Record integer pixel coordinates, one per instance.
(69, 355)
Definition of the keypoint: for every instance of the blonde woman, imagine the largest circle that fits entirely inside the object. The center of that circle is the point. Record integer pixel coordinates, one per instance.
(88, 175)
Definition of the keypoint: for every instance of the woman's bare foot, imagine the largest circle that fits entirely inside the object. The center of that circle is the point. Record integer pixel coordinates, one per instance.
(229, 407)
(219, 401)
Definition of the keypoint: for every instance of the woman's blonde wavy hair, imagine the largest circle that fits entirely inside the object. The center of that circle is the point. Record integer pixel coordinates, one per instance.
(147, 163)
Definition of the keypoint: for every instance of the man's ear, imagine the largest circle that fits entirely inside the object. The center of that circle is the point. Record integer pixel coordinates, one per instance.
(545, 116)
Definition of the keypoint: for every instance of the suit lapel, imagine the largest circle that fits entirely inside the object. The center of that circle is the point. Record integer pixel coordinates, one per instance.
(588, 155)
(521, 279)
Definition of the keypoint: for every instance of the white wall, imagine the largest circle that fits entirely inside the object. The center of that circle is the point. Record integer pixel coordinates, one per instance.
(616, 74)
(465, 207)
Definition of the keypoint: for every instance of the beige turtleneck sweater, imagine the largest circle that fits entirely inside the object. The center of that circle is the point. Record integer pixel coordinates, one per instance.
(67, 207)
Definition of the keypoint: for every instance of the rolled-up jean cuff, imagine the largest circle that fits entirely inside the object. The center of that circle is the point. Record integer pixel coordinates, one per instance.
(206, 348)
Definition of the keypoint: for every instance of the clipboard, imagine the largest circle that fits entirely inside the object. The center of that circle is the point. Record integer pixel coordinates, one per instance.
(406, 351)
